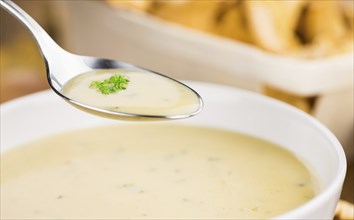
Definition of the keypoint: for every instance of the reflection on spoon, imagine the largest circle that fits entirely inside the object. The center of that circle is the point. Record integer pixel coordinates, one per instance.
(133, 91)
(64, 68)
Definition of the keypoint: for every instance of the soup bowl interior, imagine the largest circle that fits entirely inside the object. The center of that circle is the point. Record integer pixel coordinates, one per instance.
(44, 113)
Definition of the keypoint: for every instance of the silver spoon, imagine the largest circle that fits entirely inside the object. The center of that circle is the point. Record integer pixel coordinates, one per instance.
(61, 66)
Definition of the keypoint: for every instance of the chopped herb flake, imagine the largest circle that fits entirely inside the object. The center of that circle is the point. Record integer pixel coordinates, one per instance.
(111, 85)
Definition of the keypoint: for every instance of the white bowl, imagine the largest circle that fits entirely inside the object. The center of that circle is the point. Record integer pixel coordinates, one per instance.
(45, 113)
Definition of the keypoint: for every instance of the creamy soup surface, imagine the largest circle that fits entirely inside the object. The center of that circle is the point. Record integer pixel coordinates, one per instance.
(146, 93)
(151, 171)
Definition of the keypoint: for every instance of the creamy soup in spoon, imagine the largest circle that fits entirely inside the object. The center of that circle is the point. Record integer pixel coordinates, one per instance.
(143, 92)
(151, 171)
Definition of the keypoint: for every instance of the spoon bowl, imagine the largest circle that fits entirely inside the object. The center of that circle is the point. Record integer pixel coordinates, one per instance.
(62, 66)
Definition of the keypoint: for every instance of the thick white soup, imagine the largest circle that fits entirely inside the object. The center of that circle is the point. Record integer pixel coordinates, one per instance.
(145, 93)
(151, 171)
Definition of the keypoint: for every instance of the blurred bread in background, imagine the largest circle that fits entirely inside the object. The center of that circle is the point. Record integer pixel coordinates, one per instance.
(272, 24)
(300, 28)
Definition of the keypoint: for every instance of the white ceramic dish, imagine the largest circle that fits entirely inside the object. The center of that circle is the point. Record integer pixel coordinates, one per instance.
(45, 113)
(185, 53)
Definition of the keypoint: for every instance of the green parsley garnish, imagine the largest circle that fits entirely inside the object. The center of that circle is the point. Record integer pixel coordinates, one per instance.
(112, 85)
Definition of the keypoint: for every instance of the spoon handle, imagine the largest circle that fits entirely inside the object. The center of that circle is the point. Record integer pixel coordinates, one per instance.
(46, 44)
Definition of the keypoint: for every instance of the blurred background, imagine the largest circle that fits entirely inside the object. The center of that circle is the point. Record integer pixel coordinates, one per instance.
(300, 52)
